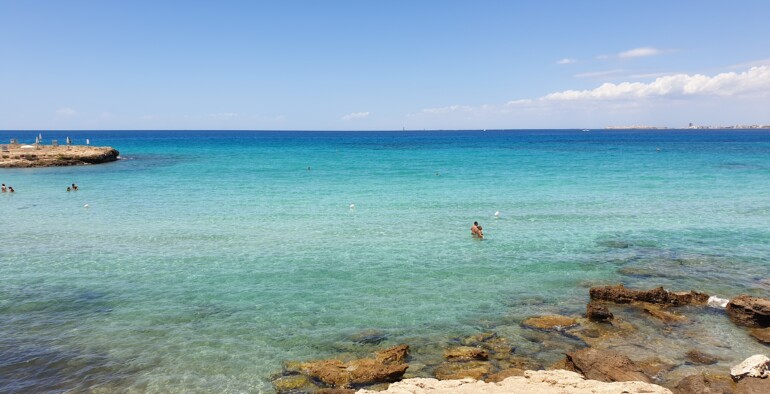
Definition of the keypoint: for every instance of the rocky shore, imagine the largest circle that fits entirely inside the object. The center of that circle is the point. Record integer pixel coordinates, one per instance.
(623, 343)
(26, 156)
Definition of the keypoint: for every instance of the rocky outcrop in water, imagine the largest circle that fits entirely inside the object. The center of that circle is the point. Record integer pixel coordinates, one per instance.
(386, 366)
(749, 311)
(620, 295)
(56, 156)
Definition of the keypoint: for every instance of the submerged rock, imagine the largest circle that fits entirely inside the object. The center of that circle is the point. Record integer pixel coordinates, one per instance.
(699, 358)
(755, 366)
(705, 384)
(761, 334)
(598, 312)
(294, 384)
(663, 315)
(465, 353)
(605, 366)
(369, 337)
(549, 322)
(621, 295)
(460, 370)
(749, 311)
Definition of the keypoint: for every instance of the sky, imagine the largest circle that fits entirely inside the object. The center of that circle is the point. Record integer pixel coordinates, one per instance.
(382, 65)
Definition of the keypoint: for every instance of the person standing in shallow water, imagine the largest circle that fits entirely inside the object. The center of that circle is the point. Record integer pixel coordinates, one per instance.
(476, 230)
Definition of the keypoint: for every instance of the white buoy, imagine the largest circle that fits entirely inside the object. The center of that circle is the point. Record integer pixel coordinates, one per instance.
(497, 214)
(352, 206)
(85, 206)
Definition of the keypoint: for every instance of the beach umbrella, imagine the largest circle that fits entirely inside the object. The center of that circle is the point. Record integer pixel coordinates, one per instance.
(69, 141)
(27, 147)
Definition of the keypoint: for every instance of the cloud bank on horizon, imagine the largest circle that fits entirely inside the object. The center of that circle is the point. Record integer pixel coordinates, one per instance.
(753, 83)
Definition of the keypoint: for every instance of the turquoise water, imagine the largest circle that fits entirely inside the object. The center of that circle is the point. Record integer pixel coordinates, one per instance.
(205, 259)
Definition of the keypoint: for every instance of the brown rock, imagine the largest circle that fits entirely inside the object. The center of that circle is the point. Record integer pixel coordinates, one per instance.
(365, 371)
(396, 354)
(605, 366)
(654, 367)
(368, 371)
(330, 372)
(549, 322)
(749, 311)
(761, 334)
(753, 386)
(471, 369)
(598, 312)
(705, 384)
(519, 362)
(621, 295)
(699, 358)
(52, 156)
(477, 339)
(506, 373)
(335, 391)
(662, 314)
(465, 353)
(293, 384)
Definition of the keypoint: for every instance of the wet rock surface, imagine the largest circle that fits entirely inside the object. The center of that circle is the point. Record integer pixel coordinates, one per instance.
(466, 353)
(705, 384)
(699, 358)
(661, 296)
(761, 334)
(387, 366)
(598, 312)
(749, 311)
(605, 366)
(549, 322)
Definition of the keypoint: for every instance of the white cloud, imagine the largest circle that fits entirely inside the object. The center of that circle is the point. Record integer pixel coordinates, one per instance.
(356, 115)
(755, 80)
(640, 52)
(66, 111)
(671, 99)
(566, 61)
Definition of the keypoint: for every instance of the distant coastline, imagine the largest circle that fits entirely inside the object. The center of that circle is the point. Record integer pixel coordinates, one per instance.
(690, 127)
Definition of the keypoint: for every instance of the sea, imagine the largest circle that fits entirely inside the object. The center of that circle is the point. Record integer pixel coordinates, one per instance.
(200, 261)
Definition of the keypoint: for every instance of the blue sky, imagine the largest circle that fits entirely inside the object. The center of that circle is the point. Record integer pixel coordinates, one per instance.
(382, 65)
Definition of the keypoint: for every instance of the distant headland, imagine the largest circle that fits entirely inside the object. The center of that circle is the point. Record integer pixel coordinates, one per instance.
(15, 155)
(691, 126)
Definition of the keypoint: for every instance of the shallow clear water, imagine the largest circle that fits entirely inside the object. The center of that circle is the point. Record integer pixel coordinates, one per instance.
(204, 259)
